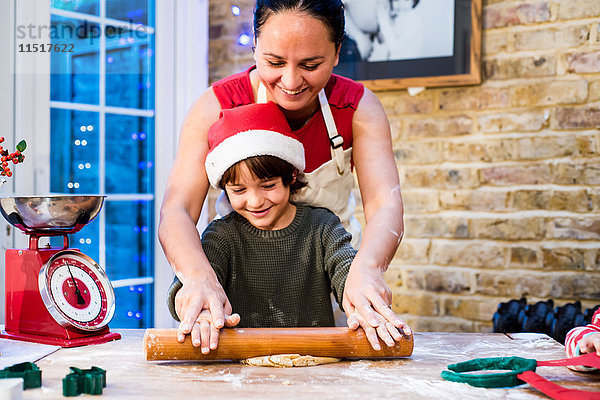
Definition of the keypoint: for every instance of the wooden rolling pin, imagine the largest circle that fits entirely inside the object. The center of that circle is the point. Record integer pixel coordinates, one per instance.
(241, 343)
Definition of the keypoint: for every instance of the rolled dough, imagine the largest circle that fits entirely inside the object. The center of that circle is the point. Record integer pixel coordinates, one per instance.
(288, 360)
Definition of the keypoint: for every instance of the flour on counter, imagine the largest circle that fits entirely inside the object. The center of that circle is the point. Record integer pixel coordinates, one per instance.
(15, 352)
(395, 382)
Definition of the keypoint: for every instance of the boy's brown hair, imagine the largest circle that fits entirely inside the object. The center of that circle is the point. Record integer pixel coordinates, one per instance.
(266, 167)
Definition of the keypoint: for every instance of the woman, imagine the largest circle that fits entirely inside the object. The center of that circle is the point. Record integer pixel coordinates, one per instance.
(297, 46)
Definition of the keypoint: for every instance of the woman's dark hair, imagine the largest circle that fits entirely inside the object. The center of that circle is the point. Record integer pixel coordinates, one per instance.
(266, 167)
(330, 12)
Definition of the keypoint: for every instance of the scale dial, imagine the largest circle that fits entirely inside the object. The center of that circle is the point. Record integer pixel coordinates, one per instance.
(76, 291)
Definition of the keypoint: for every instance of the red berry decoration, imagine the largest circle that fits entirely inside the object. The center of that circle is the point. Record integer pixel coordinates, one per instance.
(16, 157)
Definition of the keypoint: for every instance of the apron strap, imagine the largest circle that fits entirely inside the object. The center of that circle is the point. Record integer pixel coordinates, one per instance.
(261, 95)
(335, 140)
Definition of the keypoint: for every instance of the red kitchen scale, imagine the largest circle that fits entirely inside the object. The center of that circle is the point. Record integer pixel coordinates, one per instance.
(56, 296)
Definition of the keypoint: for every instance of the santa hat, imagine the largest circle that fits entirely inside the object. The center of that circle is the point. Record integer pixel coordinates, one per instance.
(247, 131)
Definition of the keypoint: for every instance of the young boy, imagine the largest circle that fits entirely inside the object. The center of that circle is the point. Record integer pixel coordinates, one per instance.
(277, 261)
(584, 339)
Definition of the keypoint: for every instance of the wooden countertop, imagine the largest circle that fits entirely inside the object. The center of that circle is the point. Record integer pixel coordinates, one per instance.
(130, 376)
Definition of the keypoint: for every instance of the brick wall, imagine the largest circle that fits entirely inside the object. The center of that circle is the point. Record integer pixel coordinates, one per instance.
(501, 181)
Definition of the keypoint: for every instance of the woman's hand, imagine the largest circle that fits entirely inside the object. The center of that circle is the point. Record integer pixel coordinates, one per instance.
(367, 301)
(185, 192)
(367, 298)
(203, 309)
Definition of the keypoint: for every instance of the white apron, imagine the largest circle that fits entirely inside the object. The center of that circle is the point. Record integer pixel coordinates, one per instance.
(330, 185)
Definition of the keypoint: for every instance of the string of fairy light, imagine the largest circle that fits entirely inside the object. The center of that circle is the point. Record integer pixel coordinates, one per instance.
(245, 38)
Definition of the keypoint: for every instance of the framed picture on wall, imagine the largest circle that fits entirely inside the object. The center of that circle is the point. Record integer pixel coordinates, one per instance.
(395, 44)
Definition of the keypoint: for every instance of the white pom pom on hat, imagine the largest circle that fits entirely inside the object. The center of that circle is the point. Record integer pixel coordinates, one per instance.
(247, 131)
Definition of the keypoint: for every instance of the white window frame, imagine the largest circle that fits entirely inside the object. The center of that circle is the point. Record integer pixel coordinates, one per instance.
(182, 65)
(181, 75)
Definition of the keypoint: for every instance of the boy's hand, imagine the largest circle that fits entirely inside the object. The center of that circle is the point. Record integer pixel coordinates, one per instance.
(207, 335)
(590, 343)
(201, 298)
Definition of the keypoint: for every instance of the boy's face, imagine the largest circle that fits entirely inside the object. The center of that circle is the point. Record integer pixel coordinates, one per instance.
(265, 204)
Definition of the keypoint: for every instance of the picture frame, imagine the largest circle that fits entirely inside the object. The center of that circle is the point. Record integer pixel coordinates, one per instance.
(431, 47)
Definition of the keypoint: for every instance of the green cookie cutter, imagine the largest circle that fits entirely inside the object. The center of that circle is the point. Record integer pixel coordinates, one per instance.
(515, 365)
(31, 374)
(89, 381)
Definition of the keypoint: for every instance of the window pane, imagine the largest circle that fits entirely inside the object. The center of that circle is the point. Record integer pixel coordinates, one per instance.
(74, 151)
(82, 6)
(129, 154)
(127, 141)
(75, 71)
(133, 307)
(130, 244)
(129, 72)
(130, 239)
(87, 240)
(134, 11)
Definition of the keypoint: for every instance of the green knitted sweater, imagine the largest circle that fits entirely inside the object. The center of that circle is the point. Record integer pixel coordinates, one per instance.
(280, 278)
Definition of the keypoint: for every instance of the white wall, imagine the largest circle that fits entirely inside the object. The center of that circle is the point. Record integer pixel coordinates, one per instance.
(6, 117)
(24, 109)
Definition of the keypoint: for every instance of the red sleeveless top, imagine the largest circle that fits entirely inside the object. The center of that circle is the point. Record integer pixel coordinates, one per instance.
(343, 95)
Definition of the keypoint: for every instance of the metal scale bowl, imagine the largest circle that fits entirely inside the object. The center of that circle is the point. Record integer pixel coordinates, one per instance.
(55, 296)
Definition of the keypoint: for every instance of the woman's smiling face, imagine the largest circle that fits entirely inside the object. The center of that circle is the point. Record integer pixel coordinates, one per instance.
(295, 57)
